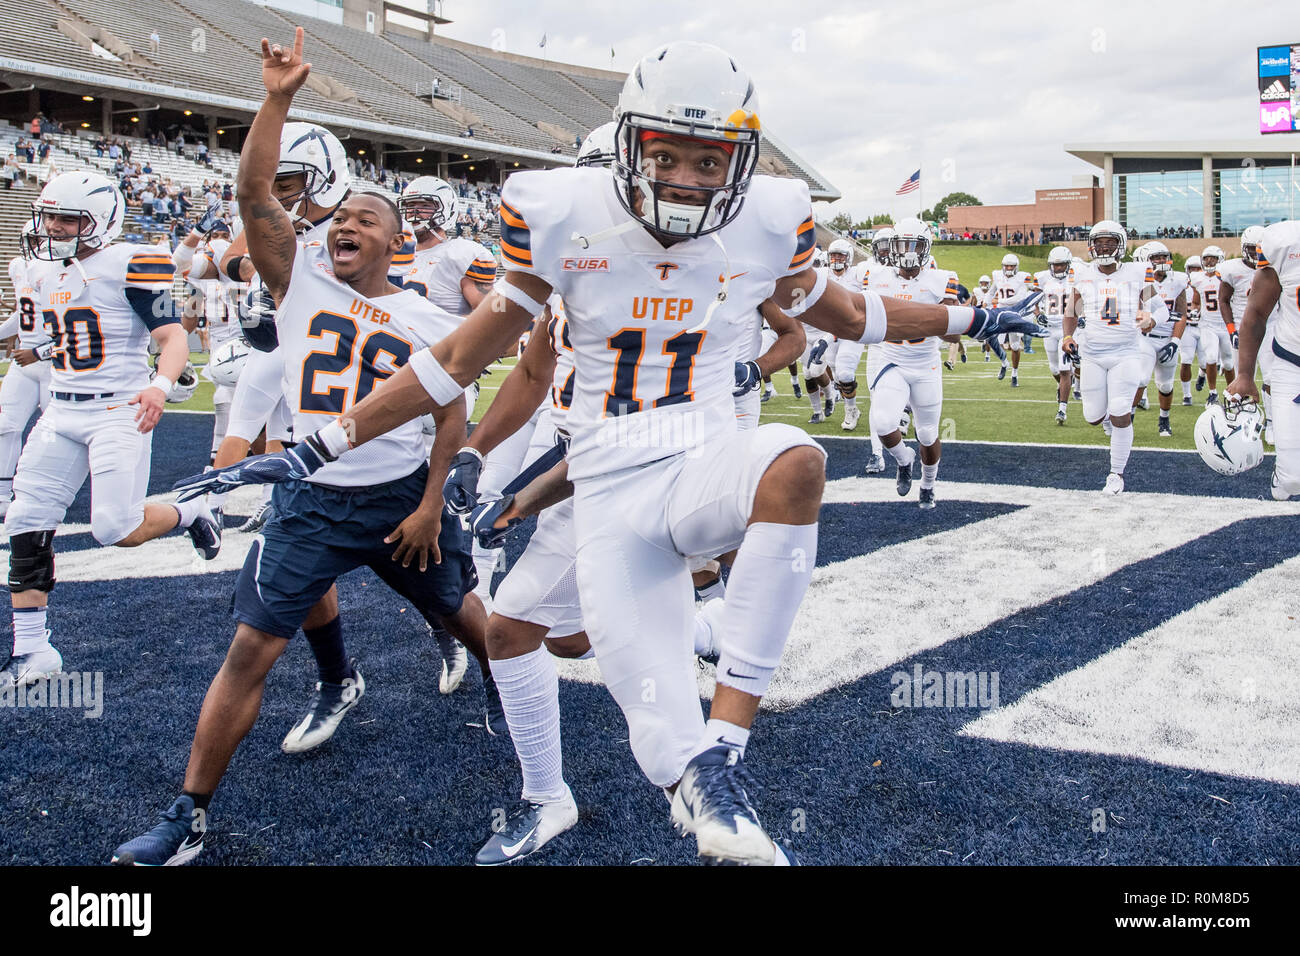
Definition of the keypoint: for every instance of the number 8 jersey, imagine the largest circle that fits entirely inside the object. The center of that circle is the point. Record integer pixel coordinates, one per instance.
(650, 382)
(99, 312)
(337, 347)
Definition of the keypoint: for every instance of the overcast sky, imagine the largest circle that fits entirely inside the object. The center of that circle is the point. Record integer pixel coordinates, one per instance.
(987, 94)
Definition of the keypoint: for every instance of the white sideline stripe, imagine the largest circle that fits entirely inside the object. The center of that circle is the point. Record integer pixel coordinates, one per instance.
(1213, 689)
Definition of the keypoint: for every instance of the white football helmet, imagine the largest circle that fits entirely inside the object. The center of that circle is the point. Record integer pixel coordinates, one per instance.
(227, 362)
(89, 195)
(910, 246)
(1106, 255)
(1141, 253)
(881, 243)
(985, 282)
(1228, 437)
(1010, 264)
(1211, 252)
(1250, 238)
(424, 192)
(186, 383)
(598, 148)
(1193, 264)
(27, 239)
(692, 90)
(820, 259)
(1159, 258)
(318, 155)
(1058, 262)
(840, 247)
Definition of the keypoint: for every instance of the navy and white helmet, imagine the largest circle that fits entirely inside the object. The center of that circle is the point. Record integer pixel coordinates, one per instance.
(1107, 255)
(909, 247)
(1228, 437)
(1058, 262)
(1010, 264)
(1250, 238)
(696, 91)
(227, 362)
(840, 247)
(95, 198)
(318, 155)
(598, 148)
(424, 193)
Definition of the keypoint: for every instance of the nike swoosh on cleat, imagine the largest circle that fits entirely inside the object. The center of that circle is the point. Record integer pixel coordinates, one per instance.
(511, 849)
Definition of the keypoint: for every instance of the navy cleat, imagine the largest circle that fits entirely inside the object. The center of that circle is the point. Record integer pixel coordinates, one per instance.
(798, 392)
(963, 357)
(1187, 400)
(528, 828)
(329, 704)
(1078, 396)
(494, 716)
(1164, 430)
(1200, 382)
(817, 418)
(257, 519)
(1212, 399)
(927, 499)
(830, 407)
(1002, 373)
(712, 803)
(173, 842)
(1060, 417)
(904, 480)
(455, 659)
(205, 533)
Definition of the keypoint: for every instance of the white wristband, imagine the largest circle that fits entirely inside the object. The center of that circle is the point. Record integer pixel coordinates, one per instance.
(473, 451)
(877, 322)
(809, 300)
(519, 297)
(334, 438)
(442, 388)
(960, 318)
(164, 383)
(1175, 341)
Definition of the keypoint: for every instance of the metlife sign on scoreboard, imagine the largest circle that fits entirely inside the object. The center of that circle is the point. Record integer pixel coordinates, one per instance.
(1279, 88)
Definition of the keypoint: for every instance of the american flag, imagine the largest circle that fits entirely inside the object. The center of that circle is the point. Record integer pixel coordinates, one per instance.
(910, 184)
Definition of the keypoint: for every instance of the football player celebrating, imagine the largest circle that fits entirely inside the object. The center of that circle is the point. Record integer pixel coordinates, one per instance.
(1054, 281)
(354, 513)
(1216, 336)
(1012, 285)
(1110, 295)
(906, 373)
(100, 303)
(1164, 341)
(1274, 300)
(26, 386)
(1237, 275)
(849, 354)
(659, 468)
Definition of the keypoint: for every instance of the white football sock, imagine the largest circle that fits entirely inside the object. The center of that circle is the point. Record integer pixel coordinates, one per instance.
(928, 474)
(485, 560)
(1164, 414)
(1187, 389)
(851, 401)
(877, 448)
(815, 399)
(1062, 406)
(703, 639)
(1106, 426)
(1121, 443)
(768, 581)
(190, 510)
(722, 732)
(530, 697)
(29, 630)
(1268, 405)
(217, 499)
(903, 454)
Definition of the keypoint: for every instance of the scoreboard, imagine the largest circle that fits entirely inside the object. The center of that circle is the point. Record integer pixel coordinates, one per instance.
(1279, 88)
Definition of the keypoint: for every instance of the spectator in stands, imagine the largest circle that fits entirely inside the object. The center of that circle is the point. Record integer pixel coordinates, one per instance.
(114, 150)
(35, 126)
(227, 193)
(155, 42)
(180, 144)
(203, 154)
(10, 172)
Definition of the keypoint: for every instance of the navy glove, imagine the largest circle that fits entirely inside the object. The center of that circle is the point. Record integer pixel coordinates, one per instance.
(460, 490)
(989, 323)
(818, 351)
(1072, 353)
(484, 519)
(1234, 340)
(1167, 351)
(303, 459)
(748, 377)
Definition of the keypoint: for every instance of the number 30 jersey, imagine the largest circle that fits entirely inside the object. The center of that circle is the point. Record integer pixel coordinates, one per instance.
(1110, 304)
(99, 312)
(652, 379)
(337, 347)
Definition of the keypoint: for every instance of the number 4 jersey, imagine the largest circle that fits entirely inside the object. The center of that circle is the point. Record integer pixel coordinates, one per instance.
(99, 312)
(337, 347)
(1110, 303)
(652, 380)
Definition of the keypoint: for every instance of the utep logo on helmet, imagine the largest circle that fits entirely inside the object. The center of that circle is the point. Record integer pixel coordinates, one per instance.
(694, 112)
(586, 265)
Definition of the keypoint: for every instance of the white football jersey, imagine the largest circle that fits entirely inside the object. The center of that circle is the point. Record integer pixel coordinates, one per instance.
(1280, 250)
(436, 273)
(17, 273)
(562, 379)
(1237, 274)
(89, 307)
(982, 298)
(1110, 304)
(337, 347)
(1008, 289)
(931, 286)
(1056, 294)
(31, 327)
(1170, 288)
(650, 382)
(1207, 284)
(222, 314)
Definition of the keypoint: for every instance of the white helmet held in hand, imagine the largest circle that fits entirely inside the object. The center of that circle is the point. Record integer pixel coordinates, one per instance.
(1102, 251)
(91, 197)
(227, 362)
(598, 148)
(842, 248)
(910, 246)
(1228, 437)
(693, 91)
(428, 203)
(317, 154)
(185, 385)
(1059, 257)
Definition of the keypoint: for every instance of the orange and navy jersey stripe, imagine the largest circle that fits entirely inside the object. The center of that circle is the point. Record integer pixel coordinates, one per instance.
(404, 258)
(516, 242)
(150, 268)
(805, 243)
(951, 290)
(482, 270)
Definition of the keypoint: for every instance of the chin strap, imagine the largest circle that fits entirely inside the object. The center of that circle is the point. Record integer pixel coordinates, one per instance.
(726, 285)
(586, 242)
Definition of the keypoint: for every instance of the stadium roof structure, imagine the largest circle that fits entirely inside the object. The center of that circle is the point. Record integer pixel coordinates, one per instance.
(379, 85)
(1272, 147)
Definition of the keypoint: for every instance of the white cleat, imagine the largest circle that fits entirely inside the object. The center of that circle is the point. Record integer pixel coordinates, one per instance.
(711, 803)
(328, 705)
(23, 669)
(1114, 484)
(851, 415)
(528, 828)
(1268, 434)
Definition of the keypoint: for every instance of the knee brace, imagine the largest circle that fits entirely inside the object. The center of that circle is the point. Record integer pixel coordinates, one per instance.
(31, 561)
(848, 389)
